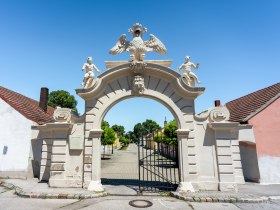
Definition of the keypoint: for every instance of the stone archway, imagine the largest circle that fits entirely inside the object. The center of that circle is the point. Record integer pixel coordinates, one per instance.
(150, 79)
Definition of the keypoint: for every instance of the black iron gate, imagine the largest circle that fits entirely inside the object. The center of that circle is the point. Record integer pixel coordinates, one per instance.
(158, 164)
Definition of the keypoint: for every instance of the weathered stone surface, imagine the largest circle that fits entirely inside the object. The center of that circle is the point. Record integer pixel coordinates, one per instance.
(58, 158)
(87, 159)
(57, 167)
(57, 174)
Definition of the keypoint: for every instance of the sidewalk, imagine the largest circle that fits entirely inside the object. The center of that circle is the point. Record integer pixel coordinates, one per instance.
(248, 193)
(31, 188)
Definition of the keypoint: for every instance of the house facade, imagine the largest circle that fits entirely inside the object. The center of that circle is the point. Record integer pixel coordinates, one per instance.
(260, 155)
(20, 152)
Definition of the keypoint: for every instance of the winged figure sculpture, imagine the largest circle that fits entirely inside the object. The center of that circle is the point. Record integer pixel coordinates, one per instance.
(137, 47)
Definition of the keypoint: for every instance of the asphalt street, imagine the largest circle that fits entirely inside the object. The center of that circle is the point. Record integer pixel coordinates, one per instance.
(9, 201)
(129, 200)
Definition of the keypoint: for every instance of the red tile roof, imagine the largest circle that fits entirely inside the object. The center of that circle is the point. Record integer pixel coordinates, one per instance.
(27, 106)
(244, 108)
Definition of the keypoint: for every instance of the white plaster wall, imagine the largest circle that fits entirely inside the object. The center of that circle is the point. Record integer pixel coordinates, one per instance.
(206, 152)
(269, 169)
(249, 163)
(15, 133)
(246, 133)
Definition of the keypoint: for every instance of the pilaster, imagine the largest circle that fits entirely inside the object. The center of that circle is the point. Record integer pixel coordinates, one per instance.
(94, 184)
(187, 153)
(225, 133)
(55, 137)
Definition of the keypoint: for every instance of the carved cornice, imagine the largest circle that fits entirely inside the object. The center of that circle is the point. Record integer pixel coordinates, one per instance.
(182, 132)
(95, 133)
(224, 126)
(154, 69)
(55, 127)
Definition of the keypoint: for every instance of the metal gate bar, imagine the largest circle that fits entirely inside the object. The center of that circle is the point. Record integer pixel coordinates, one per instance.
(158, 165)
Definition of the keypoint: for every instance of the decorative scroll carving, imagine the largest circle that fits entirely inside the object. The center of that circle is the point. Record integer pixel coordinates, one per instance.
(138, 85)
(219, 114)
(138, 67)
(62, 115)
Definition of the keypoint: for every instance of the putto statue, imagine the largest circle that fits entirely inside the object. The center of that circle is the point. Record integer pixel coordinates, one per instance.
(188, 76)
(89, 76)
(137, 47)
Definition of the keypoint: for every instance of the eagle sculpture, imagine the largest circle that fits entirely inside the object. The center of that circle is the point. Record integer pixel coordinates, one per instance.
(137, 47)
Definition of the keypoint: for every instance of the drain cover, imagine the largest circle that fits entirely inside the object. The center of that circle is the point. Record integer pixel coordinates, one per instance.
(140, 203)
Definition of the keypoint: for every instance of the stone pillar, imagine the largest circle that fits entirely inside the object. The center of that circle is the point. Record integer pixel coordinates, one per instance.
(225, 133)
(238, 171)
(186, 152)
(45, 162)
(95, 183)
(60, 133)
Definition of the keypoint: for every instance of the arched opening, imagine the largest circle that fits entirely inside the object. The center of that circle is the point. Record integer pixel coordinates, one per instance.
(149, 161)
(117, 84)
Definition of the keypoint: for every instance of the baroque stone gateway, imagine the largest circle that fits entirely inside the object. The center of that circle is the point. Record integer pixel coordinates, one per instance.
(208, 143)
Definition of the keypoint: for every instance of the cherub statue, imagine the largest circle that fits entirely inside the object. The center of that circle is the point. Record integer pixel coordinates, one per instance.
(188, 76)
(89, 76)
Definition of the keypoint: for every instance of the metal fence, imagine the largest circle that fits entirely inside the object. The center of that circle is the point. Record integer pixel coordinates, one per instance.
(158, 164)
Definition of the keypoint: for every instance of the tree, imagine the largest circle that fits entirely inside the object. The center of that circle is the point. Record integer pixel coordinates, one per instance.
(104, 125)
(138, 130)
(150, 126)
(108, 136)
(131, 136)
(62, 99)
(170, 132)
(124, 140)
(145, 128)
(159, 137)
(119, 129)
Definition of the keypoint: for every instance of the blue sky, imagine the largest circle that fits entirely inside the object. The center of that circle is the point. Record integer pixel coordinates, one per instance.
(45, 43)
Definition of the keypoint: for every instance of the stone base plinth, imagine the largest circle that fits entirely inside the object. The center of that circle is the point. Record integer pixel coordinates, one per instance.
(65, 183)
(228, 186)
(205, 185)
(185, 187)
(95, 186)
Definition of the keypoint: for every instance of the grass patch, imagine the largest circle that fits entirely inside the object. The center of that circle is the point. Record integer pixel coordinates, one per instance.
(4, 177)
(123, 148)
(164, 194)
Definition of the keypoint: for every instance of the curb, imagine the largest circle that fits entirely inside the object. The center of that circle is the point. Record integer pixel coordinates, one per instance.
(19, 192)
(223, 200)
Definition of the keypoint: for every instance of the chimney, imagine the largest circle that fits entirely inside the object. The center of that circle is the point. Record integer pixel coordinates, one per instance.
(44, 96)
(217, 103)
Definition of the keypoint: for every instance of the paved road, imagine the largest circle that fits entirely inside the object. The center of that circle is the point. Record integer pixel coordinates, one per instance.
(119, 172)
(122, 166)
(9, 201)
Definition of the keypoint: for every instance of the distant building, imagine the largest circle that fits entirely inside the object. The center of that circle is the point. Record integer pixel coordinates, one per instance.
(261, 109)
(19, 158)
